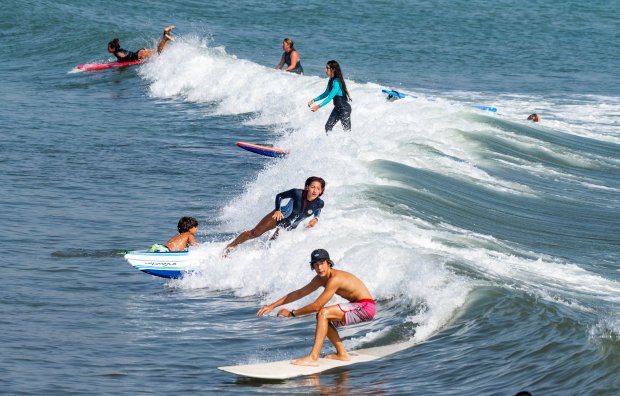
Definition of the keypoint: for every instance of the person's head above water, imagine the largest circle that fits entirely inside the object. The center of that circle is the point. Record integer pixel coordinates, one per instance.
(318, 256)
(315, 183)
(114, 46)
(288, 45)
(186, 223)
(333, 71)
(533, 117)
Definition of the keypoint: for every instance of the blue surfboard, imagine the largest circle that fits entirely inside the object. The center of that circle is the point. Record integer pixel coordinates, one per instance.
(263, 150)
(394, 95)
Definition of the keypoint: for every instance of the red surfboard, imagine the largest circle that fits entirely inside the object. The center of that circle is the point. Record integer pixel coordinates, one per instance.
(104, 66)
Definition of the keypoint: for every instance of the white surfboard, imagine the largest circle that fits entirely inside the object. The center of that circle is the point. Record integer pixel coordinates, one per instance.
(163, 264)
(284, 369)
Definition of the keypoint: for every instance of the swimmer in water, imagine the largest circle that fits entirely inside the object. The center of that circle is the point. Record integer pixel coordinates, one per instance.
(533, 117)
(290, 57)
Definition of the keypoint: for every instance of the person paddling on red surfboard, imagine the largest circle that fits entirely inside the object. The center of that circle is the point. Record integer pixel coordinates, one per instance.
(361, 306)
(114, 47)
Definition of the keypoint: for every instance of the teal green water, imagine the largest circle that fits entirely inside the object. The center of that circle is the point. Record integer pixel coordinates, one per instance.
(490, 241)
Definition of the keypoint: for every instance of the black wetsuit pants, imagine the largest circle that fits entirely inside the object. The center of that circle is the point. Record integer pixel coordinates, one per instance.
(340, 113)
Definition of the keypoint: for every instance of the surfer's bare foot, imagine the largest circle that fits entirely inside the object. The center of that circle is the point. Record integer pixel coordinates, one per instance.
(306, 361)
(336, 356)
(167, 31)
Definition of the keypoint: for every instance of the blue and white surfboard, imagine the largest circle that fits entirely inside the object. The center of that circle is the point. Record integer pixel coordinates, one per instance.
(166, 265)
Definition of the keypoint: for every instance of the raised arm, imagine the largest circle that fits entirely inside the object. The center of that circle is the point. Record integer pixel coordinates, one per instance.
(314, 284)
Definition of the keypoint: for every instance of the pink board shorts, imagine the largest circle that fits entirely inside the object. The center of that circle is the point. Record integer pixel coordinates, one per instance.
(356, 312)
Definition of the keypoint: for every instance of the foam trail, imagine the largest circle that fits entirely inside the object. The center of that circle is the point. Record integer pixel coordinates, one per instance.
(396, 255)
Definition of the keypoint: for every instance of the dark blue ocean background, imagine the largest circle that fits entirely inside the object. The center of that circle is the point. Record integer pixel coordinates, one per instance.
(490, 241)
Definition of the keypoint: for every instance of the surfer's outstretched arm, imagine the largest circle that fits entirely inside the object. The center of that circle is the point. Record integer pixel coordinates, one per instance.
(314, 284)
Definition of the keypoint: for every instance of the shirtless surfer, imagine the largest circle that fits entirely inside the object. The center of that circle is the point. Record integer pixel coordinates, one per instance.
(361, 307)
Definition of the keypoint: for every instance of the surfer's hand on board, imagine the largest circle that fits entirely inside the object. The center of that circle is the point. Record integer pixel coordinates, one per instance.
(277, 215)
(264, 310)
(312, 222)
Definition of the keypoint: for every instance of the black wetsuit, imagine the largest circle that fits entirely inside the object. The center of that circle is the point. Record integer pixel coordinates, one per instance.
(302, 208)
(342, 108)
(129, 56)
(287, 59)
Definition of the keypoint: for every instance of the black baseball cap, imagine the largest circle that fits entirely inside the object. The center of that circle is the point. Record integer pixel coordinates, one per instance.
(318, 255)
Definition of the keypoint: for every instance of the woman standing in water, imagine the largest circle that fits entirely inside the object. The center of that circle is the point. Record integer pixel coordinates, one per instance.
(114, 47)
(290, 57)
(302, 204)
(336, 90)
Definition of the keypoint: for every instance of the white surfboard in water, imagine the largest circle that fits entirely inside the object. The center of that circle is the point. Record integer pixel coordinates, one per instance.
(284, 369)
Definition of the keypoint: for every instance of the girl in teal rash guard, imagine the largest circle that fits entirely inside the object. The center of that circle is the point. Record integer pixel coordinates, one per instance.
(336, 90)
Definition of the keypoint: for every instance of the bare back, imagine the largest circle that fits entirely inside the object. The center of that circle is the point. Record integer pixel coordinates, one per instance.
(181, 241)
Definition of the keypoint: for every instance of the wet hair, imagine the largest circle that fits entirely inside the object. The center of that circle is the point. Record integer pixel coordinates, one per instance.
(313, 179)
(115, 44)
(332, 64)
(290, 42)
(331, 264)
(186, 223)
(533, 117)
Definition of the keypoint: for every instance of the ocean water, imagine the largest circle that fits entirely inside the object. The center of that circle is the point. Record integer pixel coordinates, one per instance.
(489, 241)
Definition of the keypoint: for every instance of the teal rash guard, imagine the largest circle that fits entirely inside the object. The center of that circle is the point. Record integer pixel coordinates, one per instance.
(336, 90)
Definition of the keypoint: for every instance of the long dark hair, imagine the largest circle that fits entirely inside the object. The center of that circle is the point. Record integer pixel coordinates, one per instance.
(332, 64)
(114, 44)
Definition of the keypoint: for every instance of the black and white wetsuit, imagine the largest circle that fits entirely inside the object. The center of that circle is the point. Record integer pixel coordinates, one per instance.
(297, 209)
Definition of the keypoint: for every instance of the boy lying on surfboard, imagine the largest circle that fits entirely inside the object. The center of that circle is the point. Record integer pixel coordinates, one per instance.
(361, 306)
(187, 226)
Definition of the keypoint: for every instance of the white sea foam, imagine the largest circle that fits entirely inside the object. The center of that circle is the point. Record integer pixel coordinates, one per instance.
(396, 256)
(606, 329)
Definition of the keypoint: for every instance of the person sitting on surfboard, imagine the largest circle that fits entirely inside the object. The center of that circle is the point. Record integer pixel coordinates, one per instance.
(361, 306)
(301, 205)
(122, 56)
(290, 56)
(336, 90)
(187, 226)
